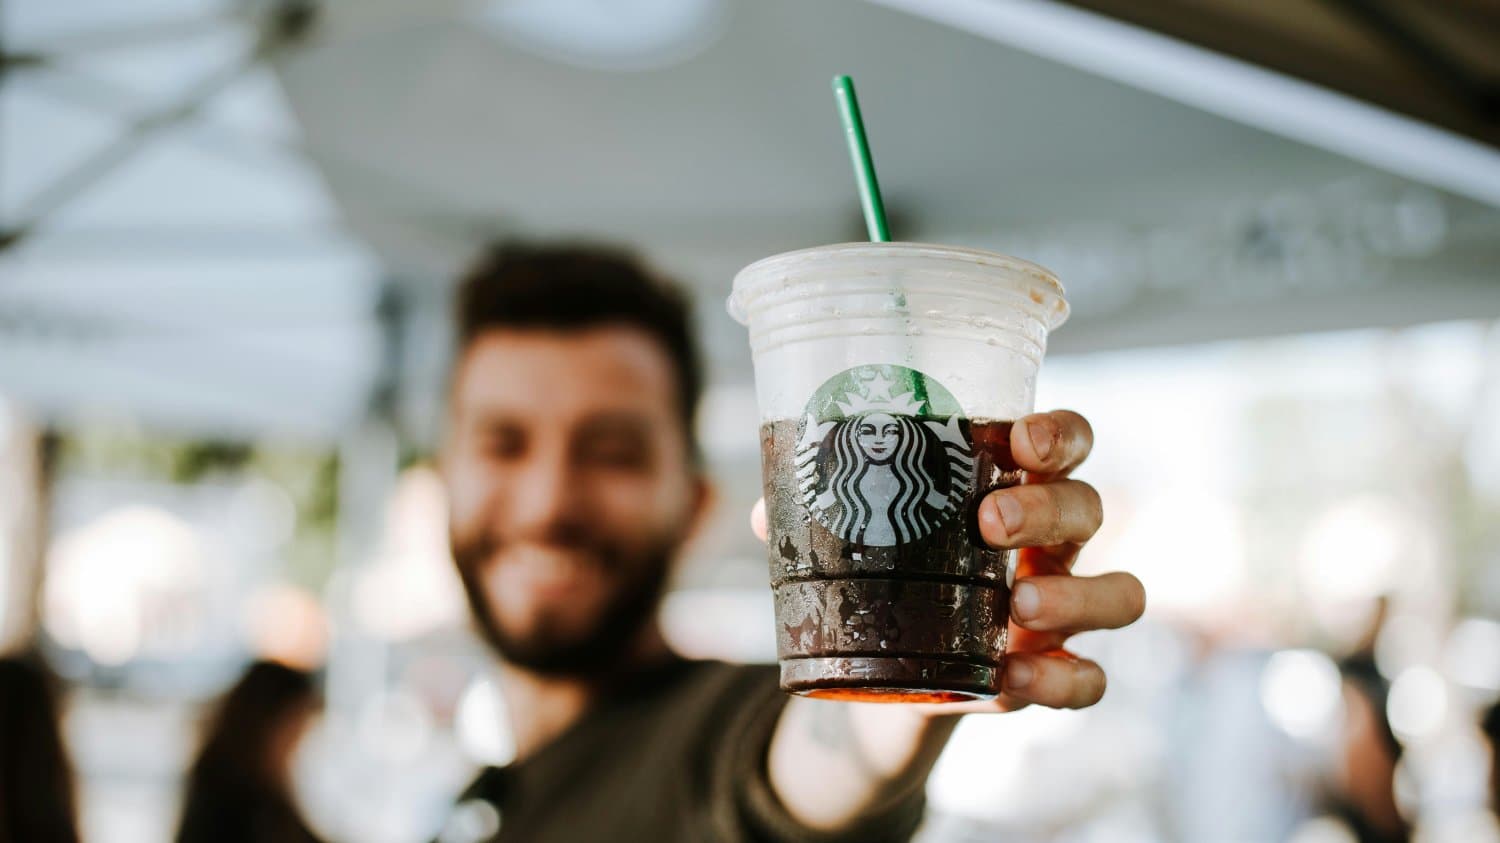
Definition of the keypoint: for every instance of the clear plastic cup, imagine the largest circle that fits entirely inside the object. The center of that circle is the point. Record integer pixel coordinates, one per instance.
(888, 376)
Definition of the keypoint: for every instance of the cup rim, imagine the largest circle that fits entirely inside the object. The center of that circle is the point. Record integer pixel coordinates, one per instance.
(742, 291)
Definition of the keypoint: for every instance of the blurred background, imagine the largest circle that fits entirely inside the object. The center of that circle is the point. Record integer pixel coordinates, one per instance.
(229, 230)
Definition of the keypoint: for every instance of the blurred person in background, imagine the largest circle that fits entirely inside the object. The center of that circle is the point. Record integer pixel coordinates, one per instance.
(1490, 725)
(1364, 792)
(36, 777)
(239, 789)
(573, 484)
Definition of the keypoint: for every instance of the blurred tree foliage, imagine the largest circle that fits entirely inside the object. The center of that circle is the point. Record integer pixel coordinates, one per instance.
(308, 474)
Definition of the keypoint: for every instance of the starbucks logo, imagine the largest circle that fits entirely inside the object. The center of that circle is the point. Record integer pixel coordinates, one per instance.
(882, 460)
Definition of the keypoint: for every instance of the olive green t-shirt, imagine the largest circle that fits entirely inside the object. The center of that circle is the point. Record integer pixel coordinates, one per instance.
(676, 753)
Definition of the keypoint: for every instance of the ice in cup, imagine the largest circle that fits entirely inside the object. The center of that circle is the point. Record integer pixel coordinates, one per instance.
(888, 376)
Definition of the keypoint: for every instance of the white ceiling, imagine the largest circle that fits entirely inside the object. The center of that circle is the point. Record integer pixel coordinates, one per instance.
(435, 131)
(738, 147)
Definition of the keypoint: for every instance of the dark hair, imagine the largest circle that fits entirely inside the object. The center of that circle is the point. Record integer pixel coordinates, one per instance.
(573, 287)
(233, 792)
(36, 777)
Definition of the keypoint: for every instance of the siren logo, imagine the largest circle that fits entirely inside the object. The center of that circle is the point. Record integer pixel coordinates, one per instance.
(882, 460)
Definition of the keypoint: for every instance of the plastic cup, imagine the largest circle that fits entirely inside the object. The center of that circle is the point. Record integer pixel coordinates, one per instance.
(888, 376)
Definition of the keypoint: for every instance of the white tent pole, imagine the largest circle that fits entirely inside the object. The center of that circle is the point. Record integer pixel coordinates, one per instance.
(1228, 87)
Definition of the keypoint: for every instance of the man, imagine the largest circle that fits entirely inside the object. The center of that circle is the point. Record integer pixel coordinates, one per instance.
(573, 482)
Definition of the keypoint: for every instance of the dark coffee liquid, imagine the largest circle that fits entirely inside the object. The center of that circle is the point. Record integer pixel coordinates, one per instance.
(920, 620)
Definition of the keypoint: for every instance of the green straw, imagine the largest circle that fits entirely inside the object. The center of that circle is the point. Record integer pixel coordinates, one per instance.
(869, 195)
(859, 152)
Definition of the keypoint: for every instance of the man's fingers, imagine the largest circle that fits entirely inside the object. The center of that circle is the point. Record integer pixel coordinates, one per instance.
(1041, 514)
(1077, 604)
(1056, 681)
(758, 519)
(1055, 678)
(1051, 444)
(1050, 559)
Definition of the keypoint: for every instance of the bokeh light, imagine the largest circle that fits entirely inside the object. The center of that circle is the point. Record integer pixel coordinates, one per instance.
(1472, 656)
(411, 588)
(1354, 550)
(125, 582)
(1302, 693)
(1188, 550)
(481, 724)
(287, 624)
(1418, 704)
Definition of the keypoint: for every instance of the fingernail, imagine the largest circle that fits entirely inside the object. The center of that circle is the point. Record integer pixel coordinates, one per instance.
(1011, 514)
(1018, 674)
(1042, 435)
(1026, 601)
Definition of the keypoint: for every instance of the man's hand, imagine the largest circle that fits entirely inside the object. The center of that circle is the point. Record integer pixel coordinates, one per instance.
(882, 752)
(1046, 520)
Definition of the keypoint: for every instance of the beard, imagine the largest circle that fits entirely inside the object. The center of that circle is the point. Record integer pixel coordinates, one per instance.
(603, 644)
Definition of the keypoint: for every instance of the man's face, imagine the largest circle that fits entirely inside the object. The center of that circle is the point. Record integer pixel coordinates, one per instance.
(570, 487)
